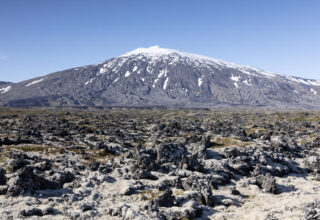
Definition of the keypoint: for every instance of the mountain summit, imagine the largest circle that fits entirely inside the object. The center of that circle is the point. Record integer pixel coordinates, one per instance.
(157, 76)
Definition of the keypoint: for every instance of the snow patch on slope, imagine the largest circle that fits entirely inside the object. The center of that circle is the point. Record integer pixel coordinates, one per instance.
(88, 82)
(165, 83)
(247, 72)
(235, 78)
(303, 81)
(127, 74)
(34, 82)
(115, 80)
(314, 82)
(103, 70)
(134, 68)
(4, 90)
(200, 81)
(248, 83)
(161, 73)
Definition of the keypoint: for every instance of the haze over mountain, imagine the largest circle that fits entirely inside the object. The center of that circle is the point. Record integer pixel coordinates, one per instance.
(157, 76)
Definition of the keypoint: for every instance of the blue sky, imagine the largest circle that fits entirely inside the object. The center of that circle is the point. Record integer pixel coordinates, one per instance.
(38, 37)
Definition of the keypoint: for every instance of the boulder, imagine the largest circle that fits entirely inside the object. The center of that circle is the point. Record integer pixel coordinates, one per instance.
(62, 177)
(166, 199)
(267, 183)
(170, 153)
(17, 164)
(27, 181)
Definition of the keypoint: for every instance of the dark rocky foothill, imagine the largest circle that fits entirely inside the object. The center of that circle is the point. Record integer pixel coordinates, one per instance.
(159, 164)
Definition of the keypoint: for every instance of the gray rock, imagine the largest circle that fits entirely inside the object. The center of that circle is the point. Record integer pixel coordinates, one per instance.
(205, 141)
(31, 212)
(86, 207)
(166, 199)
(313, 164)
(311, 211)
(27, 181)
(3, 190)
(16, 164)
(3, 178)
(207, 196)
(267, 183)
(131, 189)
(62, 178)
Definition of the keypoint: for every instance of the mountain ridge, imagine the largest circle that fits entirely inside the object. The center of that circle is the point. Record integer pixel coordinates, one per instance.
(157, 76)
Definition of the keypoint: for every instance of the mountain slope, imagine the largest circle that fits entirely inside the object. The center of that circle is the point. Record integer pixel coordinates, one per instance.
(5, 87)
(158, 76)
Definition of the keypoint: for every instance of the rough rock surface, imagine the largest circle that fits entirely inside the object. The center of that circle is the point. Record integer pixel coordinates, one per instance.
(159, 164)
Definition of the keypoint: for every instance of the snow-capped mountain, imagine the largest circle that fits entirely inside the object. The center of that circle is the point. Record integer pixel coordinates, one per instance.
(157, 76)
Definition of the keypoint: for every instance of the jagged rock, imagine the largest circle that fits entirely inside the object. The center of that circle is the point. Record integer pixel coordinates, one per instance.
(275, 169)
(62, 178)
(311, 211)
(144, 174)
(205, 142)
(267, 183)
(175, 182)
(241, 133)
(105, 168)
(241, 168)
(234, 191)
(16, 164)
(94, 166)
(313, 164)
(73, 215)
(47, 210)
(279, 143)
(191, 162)
(27, 181)
(146, 160)
(167, 153)
(36, 212)
(86, 207)
(131, 189)
(198, 182)
(151, 157)
(208, 198)
(3, 190)
(43, 165)
(31, 212)
(3, 178)
(232, 152)
(18, 155)
(166, 199)
(271, 216)
(130, 214)
(99, 145)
